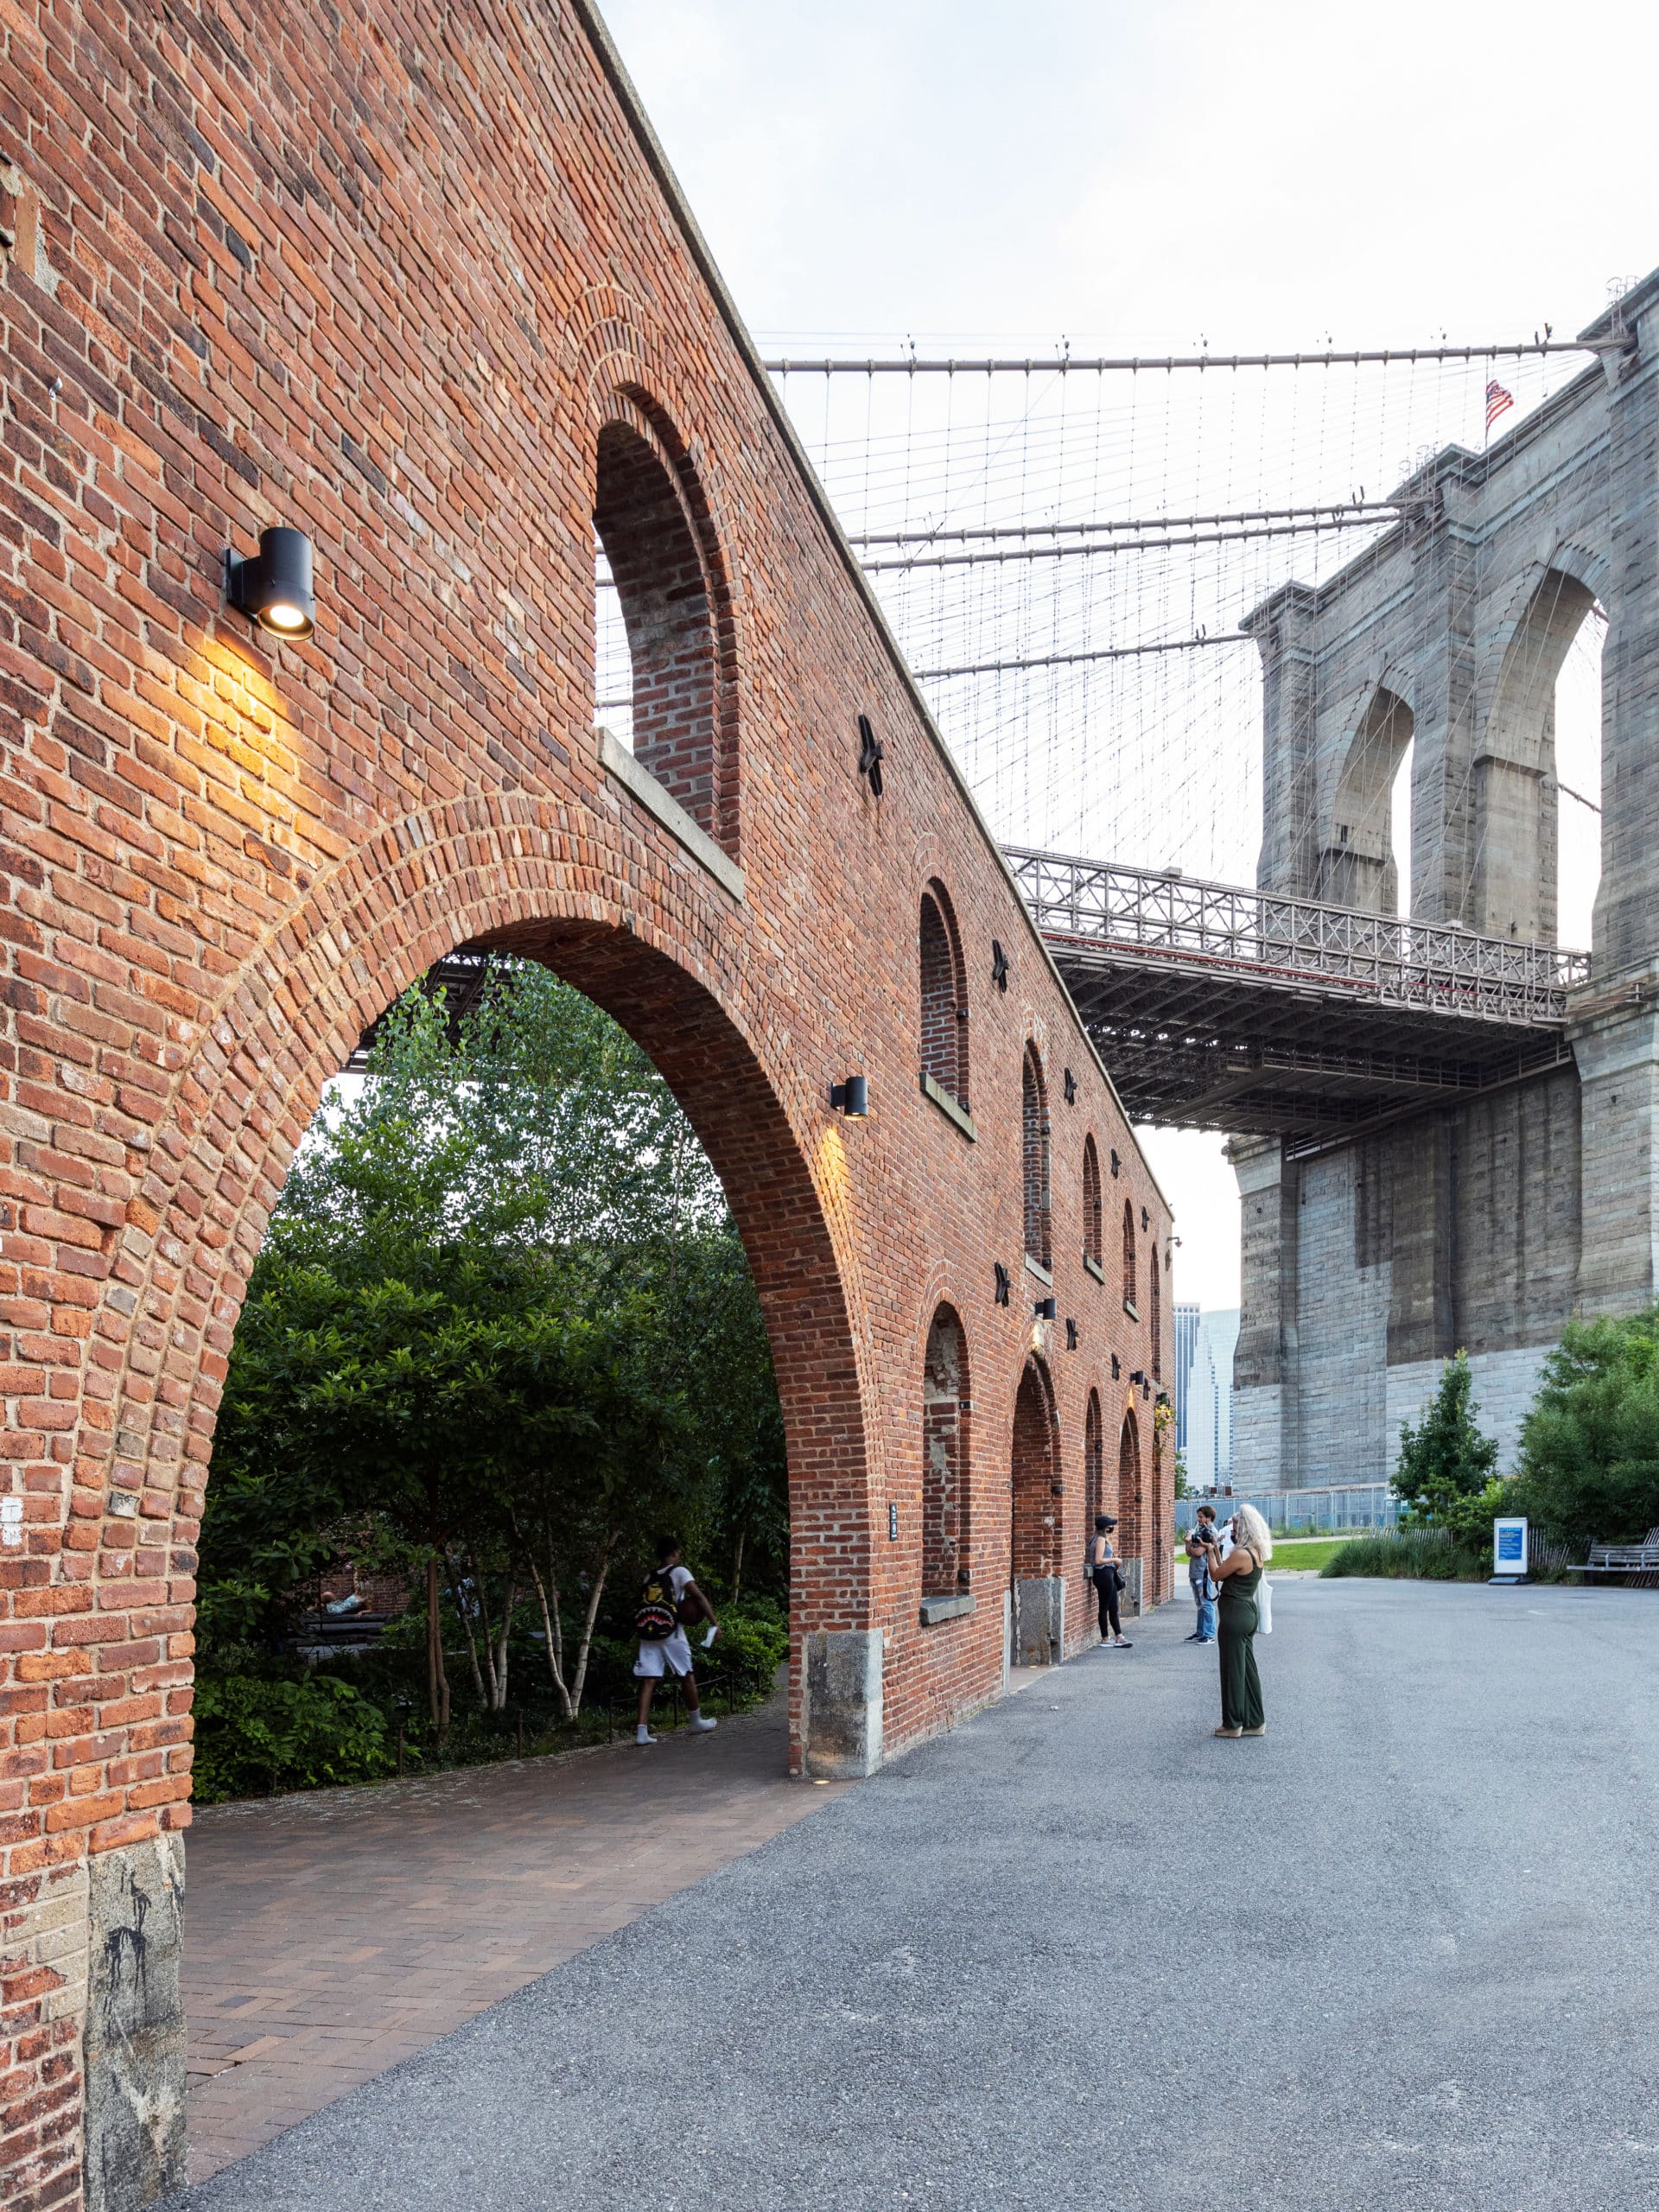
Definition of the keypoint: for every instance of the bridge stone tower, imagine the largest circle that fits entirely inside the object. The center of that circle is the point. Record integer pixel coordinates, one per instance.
(1486, 1223)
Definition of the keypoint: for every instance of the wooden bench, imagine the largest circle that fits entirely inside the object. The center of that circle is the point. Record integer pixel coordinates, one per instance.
(1641, 1559)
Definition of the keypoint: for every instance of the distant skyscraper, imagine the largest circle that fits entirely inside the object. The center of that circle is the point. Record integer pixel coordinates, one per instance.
(1209, 1403)
(1186, 1338)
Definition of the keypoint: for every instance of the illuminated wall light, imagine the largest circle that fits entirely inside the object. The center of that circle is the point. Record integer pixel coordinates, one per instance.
(274, 588)
(852, 1097)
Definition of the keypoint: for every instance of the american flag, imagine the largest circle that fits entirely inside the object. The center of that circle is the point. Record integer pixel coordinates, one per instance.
(1497, 400)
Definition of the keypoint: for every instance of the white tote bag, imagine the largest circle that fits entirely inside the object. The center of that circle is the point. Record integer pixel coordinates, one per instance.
(1263, 1607)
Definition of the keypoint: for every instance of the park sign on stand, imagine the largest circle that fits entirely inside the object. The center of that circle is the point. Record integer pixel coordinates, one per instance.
(1510, 1548)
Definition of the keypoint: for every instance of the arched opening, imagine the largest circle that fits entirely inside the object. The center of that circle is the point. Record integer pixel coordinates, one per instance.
(945, 997)
(702, 1060)
(660, 687)
(1578, 777)
(1094, 1254)
(1131, 1303)
(1358, 867)
(1131, 1531)
(945, 1488)
(1516, 802)
(1094, 1464)
(1035, 1122)
(1037, 1587)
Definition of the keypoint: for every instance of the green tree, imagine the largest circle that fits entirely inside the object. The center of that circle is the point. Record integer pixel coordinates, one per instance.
(1445, 1477)
(1589, 1461)
(502, 1327)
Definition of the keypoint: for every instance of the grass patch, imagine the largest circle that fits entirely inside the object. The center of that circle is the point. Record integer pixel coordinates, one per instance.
(1307, 1553)
(1422, 1555)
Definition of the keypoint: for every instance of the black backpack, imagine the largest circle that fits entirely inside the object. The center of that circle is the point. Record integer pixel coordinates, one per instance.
(657, 1614)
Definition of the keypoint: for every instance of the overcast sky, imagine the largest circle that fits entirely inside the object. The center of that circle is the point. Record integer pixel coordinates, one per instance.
(1150, 177)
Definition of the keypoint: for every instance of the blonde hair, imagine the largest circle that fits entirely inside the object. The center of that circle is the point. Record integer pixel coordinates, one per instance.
(1253, 1532)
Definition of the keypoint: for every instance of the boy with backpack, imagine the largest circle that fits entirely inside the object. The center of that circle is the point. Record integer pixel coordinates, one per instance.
(669, 1601)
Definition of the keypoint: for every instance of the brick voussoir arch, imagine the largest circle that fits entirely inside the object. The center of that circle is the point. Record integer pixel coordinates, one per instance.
(406, 898)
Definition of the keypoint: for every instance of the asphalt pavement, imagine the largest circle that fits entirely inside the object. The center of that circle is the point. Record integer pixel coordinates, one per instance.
(1393, 1954)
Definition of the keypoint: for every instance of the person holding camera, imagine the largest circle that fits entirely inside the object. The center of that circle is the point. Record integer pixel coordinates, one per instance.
(1102, 1571)
(1239, 1576)
(1204, 1593)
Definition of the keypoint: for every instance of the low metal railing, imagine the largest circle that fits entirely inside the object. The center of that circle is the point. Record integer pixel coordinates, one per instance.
(1313, 1512)
(1153, 913)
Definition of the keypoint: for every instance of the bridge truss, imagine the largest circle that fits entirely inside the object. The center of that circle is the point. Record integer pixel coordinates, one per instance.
(1224, 1008)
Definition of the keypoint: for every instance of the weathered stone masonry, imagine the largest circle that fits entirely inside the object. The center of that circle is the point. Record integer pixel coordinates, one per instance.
(1488, 1223)
(402, 279)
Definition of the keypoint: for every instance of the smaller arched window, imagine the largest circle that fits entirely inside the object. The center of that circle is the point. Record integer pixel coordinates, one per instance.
(1154, 1313)
(1034, 1122)
(1093, 1251)
(1094, 1464)
(944, 1460)
(1128, 1258)
(945, 997)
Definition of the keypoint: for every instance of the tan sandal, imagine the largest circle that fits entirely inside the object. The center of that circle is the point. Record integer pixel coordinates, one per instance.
(1254, 1731)
(1229, 1731)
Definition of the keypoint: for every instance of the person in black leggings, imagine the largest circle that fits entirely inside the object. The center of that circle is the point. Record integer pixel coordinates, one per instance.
(1102, 1573)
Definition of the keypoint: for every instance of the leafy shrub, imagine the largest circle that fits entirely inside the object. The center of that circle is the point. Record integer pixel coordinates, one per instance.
(1445, 1476)
(1589, 1468)
(753, 1639)
(1428, 1554)
(257, 1734)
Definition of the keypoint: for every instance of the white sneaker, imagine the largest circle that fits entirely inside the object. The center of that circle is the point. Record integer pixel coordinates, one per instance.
(643, 1735)
(699, 1726)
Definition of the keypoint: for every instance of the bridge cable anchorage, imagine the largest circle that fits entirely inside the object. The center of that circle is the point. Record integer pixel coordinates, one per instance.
(909, 560)
(1105, 364)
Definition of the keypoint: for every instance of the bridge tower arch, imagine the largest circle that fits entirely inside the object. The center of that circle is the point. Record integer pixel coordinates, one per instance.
(1357, 864)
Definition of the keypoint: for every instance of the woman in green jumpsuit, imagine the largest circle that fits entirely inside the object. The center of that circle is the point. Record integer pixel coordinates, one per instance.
(1240, 1577)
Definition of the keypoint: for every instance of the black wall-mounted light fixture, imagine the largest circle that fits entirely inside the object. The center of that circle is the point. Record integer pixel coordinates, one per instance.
(1136, 1377)
(870, 753)
(1070, 1088)
(1115, 1163)
(1117, 1369)
(274, 588)
(851, 1098)
(1003, 1285)
(1146, 1219)
(1045, 1309)
(999, 966)
(1071, 1334)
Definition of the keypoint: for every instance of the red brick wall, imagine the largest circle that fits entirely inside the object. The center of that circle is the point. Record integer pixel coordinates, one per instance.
(395, 284)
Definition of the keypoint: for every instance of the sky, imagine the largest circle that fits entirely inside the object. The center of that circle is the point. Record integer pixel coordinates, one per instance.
(1159, 176)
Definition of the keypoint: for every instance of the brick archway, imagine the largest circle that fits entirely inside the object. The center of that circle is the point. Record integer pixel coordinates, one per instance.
(1131, 1509)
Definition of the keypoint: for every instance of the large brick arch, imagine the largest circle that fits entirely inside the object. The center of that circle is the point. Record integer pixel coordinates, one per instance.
(223, 857)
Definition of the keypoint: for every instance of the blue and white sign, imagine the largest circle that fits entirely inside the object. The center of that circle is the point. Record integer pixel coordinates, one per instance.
(1510, 1548)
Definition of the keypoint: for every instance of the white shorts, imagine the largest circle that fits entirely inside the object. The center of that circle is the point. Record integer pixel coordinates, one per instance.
(655, 1659)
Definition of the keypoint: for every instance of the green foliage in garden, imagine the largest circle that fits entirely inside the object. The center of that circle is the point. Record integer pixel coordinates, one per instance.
(1589, 1463)
(1423, 1554)
(1446, 1478)
(260, 1732)
(502, 1330)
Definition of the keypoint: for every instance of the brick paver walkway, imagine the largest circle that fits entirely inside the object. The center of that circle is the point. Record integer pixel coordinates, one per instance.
(332, 1934)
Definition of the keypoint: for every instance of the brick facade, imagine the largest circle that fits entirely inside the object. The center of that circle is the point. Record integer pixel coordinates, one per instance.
(420, 286)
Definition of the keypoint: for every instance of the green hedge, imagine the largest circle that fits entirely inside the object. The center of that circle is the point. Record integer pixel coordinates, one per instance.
(257, 1734)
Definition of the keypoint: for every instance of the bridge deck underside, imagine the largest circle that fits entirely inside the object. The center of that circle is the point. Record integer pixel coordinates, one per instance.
(1203, 1044)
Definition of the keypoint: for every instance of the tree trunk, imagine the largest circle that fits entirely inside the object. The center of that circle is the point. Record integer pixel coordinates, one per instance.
(486, 1632)
(437, 1681)
(555, 1640)
(737, 1564)
(509, 1599)
(601, 1569)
